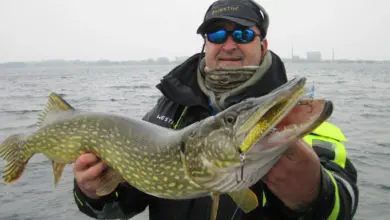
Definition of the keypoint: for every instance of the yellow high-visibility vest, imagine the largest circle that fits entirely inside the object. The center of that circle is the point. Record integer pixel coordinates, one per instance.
(329, 136)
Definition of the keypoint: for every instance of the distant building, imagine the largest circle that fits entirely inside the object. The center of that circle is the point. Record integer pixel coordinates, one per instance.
(296, 58)
(162, 60)
(314, 56)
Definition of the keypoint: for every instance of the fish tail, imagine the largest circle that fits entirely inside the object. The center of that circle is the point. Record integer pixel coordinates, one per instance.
(13, 151)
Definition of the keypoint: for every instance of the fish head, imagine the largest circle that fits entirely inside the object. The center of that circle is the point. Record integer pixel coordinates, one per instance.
(235, 148)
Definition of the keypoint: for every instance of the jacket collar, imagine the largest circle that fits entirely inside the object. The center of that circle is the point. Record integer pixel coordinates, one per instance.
(180, 85)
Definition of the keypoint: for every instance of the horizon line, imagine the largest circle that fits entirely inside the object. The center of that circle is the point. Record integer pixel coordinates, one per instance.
(166, 60)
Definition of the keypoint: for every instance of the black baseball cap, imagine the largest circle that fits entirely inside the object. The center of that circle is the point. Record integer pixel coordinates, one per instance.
(246, 13)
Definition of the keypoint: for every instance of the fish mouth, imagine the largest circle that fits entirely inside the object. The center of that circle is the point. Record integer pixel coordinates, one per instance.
(274, 118)
(303, 118)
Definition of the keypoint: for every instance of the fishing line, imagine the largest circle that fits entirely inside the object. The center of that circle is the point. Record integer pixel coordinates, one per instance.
(241, 179)
(235, 212)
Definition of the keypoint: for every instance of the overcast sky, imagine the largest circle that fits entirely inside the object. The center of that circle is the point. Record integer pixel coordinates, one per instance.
(129, 29)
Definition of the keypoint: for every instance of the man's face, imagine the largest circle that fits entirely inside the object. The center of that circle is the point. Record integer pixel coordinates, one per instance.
(232, 54)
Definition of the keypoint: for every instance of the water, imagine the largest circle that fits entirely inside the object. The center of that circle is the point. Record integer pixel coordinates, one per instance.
(360, 93)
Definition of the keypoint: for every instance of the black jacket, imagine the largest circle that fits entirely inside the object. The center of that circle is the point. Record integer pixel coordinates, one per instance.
(180, 89)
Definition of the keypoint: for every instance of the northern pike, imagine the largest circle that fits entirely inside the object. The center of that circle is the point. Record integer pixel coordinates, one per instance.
(222, 154)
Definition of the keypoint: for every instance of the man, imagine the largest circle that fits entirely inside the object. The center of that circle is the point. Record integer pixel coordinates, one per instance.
(314, 179)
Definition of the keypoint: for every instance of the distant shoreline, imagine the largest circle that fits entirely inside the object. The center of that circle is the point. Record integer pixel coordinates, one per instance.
(164, 62)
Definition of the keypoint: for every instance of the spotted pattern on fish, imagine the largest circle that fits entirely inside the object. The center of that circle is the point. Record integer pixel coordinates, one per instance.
(198, 160)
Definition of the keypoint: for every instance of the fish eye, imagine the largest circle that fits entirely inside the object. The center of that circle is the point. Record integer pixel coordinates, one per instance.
(230, 118)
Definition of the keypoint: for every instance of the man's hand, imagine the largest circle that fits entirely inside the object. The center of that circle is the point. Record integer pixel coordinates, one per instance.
(87, 170)
(296, 178)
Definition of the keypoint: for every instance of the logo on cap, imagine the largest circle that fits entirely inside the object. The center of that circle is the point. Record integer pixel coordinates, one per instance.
(219, 11)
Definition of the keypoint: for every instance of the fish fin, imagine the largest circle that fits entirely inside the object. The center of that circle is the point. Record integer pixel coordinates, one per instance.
(246, 200)
(14, 152)
(214, 206)
(58, 168)
(54, 104)
(109, 181)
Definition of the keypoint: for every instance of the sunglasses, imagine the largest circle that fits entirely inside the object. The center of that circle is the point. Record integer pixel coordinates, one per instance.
(241, 36)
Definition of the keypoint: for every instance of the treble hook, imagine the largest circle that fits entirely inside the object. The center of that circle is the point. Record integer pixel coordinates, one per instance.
(242, 161)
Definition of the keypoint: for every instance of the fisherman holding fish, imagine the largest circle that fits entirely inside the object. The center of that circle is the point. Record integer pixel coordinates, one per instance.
(313, 179)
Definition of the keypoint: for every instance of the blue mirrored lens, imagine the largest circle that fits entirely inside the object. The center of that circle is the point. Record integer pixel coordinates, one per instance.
(239, 36)
(243, 36)
(218, 36)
